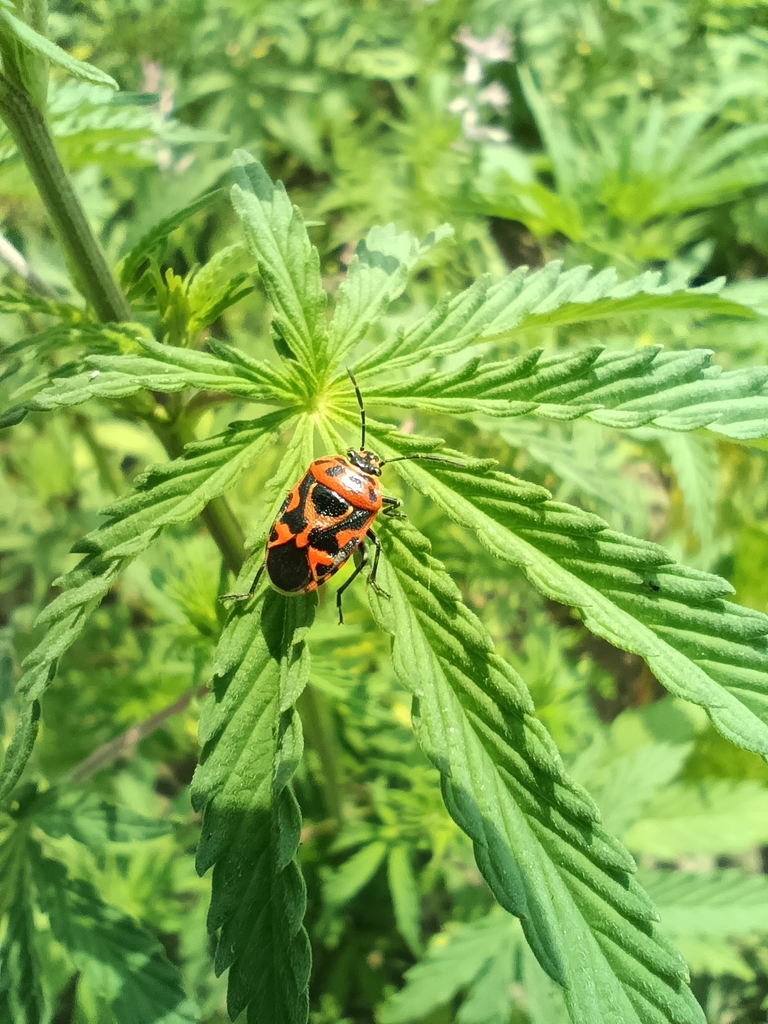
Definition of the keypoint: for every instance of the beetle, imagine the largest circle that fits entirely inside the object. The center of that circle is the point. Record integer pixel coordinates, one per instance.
(327, 517)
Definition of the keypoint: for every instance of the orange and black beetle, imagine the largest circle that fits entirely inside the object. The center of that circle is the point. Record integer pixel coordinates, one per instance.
(327, 517)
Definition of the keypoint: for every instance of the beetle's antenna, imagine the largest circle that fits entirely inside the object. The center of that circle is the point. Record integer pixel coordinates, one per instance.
(356, 386)
(429, 458)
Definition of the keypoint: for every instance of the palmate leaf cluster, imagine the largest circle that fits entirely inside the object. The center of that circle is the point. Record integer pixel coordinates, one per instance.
(537, 835)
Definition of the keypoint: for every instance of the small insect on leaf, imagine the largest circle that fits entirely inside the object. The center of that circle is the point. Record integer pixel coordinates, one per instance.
(326, 519)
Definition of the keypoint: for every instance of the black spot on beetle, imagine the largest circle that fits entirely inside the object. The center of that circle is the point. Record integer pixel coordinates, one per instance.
(288, 567)
(296, 520)
(327, 503)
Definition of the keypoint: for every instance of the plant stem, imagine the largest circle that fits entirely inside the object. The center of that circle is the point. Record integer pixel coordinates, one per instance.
(126, 743)
(84, 254)
(11, 256)
(319, 728)
(226, 532)
(89, 266)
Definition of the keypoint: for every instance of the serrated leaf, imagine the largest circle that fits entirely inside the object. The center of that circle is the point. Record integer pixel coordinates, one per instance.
(543, 998)
(454, 960)
(288, 264)
(705, 913)
(166, 369)
(623, 786)
(678, 391)
(154, 238)
(177, 491)
(405, 896)
(488, 1000)
(354, 874)
(19, 749)
(13, 27)
(629, 591)
(252, 744)
(90, 820)
(376, 276)
(695, 462)
(21, 995)
(549, 297)
(173, 492)
(725, 903)
(713, 816)
(124, 964)
(535, 832)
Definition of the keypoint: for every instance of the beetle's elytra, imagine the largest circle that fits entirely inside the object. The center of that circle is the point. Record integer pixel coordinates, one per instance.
(327, 517)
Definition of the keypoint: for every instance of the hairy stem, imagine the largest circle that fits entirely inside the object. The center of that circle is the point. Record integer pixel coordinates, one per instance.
(83, 252)
(90, 269)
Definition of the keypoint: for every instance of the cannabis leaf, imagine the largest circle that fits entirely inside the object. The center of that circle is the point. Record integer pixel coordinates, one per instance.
(536, 833)
(288, 264)
(167, 494)
(523, 301)
(252, 744)
(459, 958)
(116, 958)
(376, 276)
(674, 390)
(167, 369)
(14, 30)
(629, 591)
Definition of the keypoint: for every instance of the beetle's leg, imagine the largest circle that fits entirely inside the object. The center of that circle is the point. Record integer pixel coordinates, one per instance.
(250, 593)
(372, 578)
(355, 574)
(390, 507)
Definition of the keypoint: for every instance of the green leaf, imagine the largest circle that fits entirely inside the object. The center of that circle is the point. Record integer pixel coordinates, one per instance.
(455, 959)
(727, 903)
(354, 874)
(150, 242)
(535, 832)
(705, 913)
(65, 618)
(218, 284)
(623, 786)
(543, 998)
(714, 816)
(677, 391)
(124, 964)
(177, 491)
(695, 462)
(166, 369)
(21, 996)
(376, 276)
(19, 750)
(14, 28)
(173, 492)
(90, 820)
(546, 298)
(252, 743)
(628, 591)
(288, 264)
(488, 1000)
(405, 896)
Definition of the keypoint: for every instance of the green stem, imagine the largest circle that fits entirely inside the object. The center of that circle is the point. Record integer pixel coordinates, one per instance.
(84, 254)
(319, 729)
(91, 271)
(226, 532)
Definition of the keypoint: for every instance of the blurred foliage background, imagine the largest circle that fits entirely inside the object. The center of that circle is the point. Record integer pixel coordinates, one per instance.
(611, 132)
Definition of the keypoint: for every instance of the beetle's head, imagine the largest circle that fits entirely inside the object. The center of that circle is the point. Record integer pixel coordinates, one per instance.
(365, 461)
